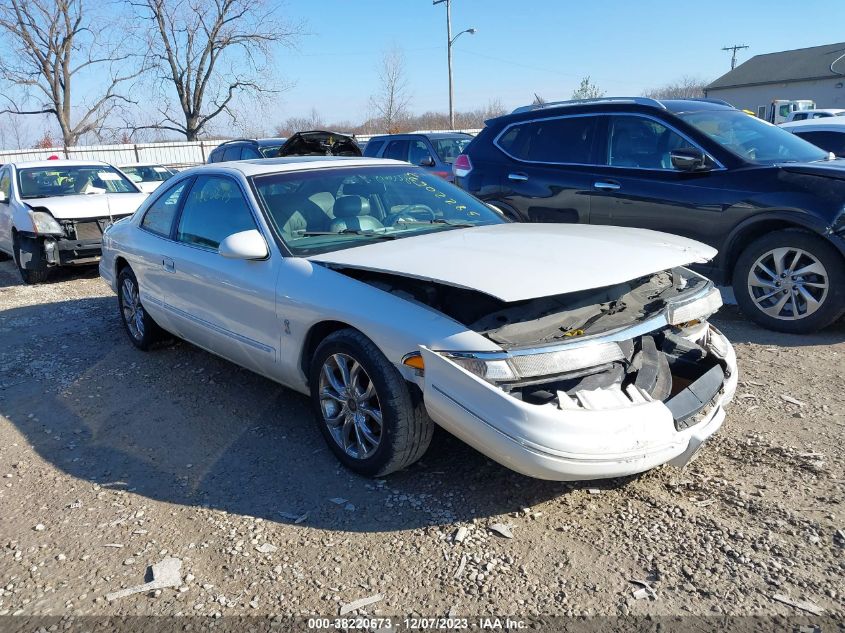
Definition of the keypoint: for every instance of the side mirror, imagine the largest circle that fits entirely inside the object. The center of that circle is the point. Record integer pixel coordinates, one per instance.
(244, 245)
(690, 160)
(428, 161)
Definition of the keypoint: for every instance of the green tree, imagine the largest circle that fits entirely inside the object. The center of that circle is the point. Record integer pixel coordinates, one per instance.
(587, 90)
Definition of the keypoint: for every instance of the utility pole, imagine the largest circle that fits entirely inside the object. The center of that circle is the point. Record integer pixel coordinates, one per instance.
(449, 41)
(734, 49)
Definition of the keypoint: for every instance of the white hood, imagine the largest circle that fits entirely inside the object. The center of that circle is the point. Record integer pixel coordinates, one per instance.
(514, 262)
(94, 205)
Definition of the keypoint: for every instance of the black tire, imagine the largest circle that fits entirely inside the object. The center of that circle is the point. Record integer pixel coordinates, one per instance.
(145, 331)
(29, 275)
(406, 429)
(831, 305)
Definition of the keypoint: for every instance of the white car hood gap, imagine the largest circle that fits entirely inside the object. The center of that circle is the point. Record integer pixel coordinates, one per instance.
(515, 262)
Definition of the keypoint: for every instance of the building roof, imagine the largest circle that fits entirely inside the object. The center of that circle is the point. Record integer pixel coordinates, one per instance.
(800, 64)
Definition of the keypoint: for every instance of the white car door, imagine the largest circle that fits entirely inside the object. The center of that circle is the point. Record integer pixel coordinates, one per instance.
(6, 209)
(151, 250)
(224, 305)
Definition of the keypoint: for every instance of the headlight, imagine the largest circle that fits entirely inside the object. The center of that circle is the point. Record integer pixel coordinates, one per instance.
(45, 224)
(696, 309)
(504, 368)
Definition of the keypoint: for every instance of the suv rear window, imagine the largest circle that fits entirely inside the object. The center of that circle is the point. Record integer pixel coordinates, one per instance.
(563, 140)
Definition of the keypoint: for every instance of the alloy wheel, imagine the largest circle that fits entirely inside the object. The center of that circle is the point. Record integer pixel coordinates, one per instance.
(350, 406)
(788, 283)
(133, 311)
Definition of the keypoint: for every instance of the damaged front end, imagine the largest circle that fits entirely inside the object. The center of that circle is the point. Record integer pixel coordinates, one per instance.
(604, 383)
(62, 242)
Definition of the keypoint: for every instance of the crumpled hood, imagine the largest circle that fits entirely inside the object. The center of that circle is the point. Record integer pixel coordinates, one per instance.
(514, 262)
(94, 205)
(826, 169)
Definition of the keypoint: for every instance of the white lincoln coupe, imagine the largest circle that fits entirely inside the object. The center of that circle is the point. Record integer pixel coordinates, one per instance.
(397, 301)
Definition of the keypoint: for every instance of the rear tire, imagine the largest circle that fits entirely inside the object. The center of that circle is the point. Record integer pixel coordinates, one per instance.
(368, 414)
(139, 325)
(770, 293)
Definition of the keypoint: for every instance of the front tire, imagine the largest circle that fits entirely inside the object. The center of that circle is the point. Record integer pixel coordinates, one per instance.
(34, 253)
(366, 411)
(139, 325)
(790, 281)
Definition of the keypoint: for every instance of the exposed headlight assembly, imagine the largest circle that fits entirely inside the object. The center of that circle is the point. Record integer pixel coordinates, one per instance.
(696, 309)
(496, 367)
(45, 224)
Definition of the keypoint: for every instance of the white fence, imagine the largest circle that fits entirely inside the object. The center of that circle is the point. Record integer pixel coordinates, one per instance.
(171, 153)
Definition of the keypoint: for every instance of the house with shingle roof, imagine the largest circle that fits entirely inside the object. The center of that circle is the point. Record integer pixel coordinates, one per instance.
(816, 73)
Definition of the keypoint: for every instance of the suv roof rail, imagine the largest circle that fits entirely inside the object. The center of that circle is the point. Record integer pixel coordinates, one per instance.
(573, 102)
(238, 140)
(707, 100)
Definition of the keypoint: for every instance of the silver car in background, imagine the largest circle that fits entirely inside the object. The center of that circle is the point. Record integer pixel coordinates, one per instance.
(397, 301)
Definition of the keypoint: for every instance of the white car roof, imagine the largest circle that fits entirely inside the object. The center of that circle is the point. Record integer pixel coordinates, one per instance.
(59, 163)
(828, 124)
(258, 166)
(122, 165)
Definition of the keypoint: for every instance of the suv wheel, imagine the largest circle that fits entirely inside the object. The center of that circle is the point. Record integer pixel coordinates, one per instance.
(790, 281)
(365, 410)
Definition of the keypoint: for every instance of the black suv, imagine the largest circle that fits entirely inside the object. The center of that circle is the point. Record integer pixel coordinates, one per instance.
(771, 203)
(246, 148)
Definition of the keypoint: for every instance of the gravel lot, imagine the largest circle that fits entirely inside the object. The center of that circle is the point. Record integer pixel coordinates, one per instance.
(112, 459)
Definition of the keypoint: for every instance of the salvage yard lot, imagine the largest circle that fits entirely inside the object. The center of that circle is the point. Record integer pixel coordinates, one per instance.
(113, 459)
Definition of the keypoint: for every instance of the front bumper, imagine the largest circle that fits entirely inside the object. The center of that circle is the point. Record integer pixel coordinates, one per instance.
(547, 442)
(67, 252)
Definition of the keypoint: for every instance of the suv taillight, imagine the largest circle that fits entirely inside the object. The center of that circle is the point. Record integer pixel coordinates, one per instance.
(462, 166)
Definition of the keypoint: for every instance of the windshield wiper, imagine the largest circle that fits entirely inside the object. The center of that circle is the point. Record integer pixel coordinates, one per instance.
(384, 236)
(459, 225)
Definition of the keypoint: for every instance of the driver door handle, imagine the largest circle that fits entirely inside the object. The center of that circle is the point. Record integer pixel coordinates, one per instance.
(168, 264)
(518, 177)
(606, 186)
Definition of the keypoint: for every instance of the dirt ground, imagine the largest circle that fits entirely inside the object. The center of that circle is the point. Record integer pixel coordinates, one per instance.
(113, 459)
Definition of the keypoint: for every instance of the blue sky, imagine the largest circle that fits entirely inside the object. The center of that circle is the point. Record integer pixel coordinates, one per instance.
(542, 46)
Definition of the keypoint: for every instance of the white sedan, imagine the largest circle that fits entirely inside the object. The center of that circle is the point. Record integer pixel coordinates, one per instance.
(53, 212)
(148, 176)
(396, 301)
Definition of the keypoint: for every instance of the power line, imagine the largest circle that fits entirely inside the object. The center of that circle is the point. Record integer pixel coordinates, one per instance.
(734, 49)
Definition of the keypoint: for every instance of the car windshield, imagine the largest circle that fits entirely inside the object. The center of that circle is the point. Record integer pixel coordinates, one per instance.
(753, 139)
(270, 151)
(148, 173)
(45, 182)
(449, 148)
(330, 209)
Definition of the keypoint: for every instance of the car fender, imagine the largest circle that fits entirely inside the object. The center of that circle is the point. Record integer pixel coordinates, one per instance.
(771, 220)
(22, 220)
(309, 293)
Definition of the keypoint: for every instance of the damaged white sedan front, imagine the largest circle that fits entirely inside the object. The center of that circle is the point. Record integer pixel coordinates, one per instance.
(397, 301)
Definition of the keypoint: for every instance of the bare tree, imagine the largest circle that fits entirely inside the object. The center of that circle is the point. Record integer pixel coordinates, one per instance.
(587, 90)
(292, 125)
(684, 88)
(210, 52)
(50, 44)
(391, 102)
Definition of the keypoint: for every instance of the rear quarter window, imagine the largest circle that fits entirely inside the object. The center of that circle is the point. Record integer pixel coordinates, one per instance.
(563, 140)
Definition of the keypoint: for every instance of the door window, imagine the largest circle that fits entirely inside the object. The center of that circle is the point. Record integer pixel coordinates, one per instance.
(642, 143)
(564, 140)
(214, 209)
(232, 153)
(418, 152)
(397, 150)
(249, 152)
(159, 217)
(372, 148)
